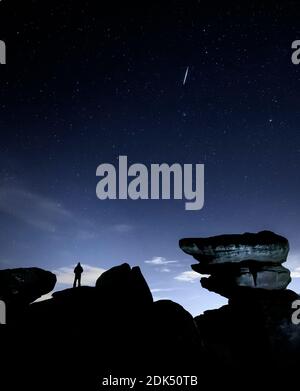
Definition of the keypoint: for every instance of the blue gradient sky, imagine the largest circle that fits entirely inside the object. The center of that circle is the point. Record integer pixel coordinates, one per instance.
(82, 87)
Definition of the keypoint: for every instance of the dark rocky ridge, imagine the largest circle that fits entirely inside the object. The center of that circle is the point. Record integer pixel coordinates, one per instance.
(80, 335)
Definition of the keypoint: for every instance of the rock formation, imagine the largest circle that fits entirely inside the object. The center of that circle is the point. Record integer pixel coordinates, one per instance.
(25, 285)
(81, 335)
(255, 329)
(235, 262)
(123, 283)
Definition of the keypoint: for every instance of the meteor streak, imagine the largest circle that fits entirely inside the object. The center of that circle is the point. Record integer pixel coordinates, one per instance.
(185, 76)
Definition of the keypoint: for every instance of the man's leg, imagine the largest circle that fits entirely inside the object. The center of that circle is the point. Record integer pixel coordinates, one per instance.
(79, 280)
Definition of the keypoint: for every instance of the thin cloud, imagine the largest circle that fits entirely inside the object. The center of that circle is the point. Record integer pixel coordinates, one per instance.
(156, 290)
(159, 261)
(188, 276)
(43, 213)
(295, 273)
(164, 270)
(293, 263)
(32, 208)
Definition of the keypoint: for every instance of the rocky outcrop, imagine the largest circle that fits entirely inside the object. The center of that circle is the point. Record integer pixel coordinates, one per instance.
(82, 335)
(235, 262)
(124, 284)
(25, 285)
(262, 247)
(92, 332)
(255, 329)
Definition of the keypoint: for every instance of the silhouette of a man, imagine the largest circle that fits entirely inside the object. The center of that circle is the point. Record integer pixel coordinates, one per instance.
(78, 271)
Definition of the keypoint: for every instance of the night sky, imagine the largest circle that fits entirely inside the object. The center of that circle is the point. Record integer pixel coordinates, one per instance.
(84, 84)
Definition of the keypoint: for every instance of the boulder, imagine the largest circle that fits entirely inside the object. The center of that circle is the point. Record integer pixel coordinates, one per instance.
(234, 262)
(124, 284)
(264, 246)
(225, 279)
(25, 285)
